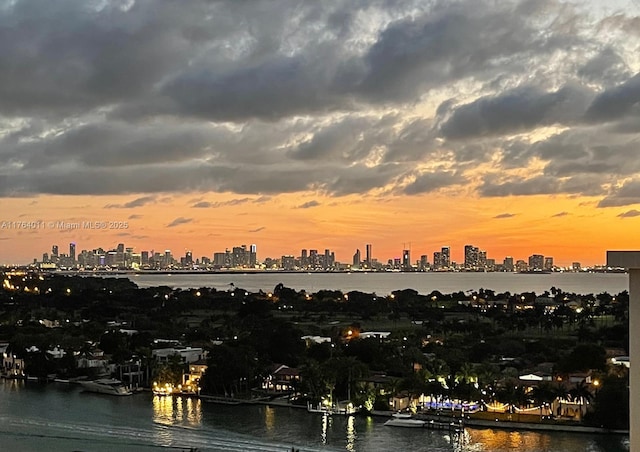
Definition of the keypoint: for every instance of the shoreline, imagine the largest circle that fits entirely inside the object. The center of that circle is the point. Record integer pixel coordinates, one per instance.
(467, 422)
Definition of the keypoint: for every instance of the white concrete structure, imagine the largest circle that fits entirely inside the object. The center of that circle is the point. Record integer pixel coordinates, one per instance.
(187, 354)
(634, 356)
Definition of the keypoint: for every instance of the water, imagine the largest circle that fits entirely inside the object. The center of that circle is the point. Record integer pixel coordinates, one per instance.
(384, 283)
(59, 417)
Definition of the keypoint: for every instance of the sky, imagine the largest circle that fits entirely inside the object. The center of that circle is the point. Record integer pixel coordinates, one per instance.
(199, 125)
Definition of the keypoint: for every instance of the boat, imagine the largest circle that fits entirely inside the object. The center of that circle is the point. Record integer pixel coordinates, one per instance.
(109, 386)
(407, 420)
(404, 420)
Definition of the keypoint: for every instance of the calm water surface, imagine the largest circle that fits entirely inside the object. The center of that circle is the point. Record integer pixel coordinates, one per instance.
(59, 417)
(384, 283)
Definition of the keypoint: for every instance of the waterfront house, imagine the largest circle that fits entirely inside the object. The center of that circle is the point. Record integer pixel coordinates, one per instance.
(96, 361)
(281, 379)
(188, 355)
(12, 365)
(191, 378)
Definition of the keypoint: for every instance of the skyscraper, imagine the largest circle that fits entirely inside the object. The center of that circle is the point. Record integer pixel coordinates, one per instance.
(357, 259)
(368, 255)
(406, 260)
(437, 260)
(536, 262)
(470, 257)
(508, 264)
(446, 257)
(253, 255)
(72, 252)
(548, 263)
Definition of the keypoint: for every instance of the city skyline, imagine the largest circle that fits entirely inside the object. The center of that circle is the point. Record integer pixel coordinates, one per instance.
(303, 124)
(246, 256)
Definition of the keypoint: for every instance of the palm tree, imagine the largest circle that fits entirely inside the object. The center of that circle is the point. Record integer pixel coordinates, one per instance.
(580, 393)
(466, 378)
(561, 392)
(543, 394)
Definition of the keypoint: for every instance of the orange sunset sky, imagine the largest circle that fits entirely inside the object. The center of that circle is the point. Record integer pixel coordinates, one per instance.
(513, 126)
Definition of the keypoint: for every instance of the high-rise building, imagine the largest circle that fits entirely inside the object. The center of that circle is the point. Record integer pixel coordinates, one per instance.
(220, 260)
(508, 264)
(304, 259)
(72, 252)
(536, 262)
(357, 259)
(424, 262)
(482, 259)
(406, 260)
(548, 263)
(240, 256)
(368, 255)
(314, 261)
(327, 259)
(576, 267)
(288, 262)
(188, 259)
(470, 257)
(437, 260)
(253, 255)
(446, 257)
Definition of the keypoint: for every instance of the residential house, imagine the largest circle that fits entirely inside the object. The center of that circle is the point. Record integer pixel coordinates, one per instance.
(282, 379)
(191, 378)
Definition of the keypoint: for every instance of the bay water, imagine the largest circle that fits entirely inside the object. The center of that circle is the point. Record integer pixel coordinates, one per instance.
(383, 283)
(59, 417)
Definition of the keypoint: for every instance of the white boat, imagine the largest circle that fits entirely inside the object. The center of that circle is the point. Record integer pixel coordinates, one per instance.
(400, 422)
(404, 420)
(109, 386)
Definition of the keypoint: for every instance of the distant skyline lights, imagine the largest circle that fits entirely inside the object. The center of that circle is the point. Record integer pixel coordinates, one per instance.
(474, 259)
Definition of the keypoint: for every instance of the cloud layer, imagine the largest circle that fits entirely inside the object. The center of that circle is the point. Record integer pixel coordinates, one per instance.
(258, 98)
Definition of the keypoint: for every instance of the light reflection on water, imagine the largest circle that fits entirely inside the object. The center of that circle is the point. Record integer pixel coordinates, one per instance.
(74, 420)
(269, 419)
(351, 433)
(325, 428)
(177, 411)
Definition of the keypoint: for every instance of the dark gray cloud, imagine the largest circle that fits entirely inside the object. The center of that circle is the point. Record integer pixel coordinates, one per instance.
(607, 68)
(630, 214)
(138, 202)
(260, 98)
(308, 205)
(261, 228)
(231, 202)
(514, 111)
(505, 215)
(615, 102)
(178, 221)
(624, 195)
(541, 185)
(431, 181)
(560, 214)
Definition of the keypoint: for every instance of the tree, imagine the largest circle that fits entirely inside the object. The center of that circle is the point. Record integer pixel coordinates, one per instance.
(543, 394)
(171, 372)
(611, 405)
